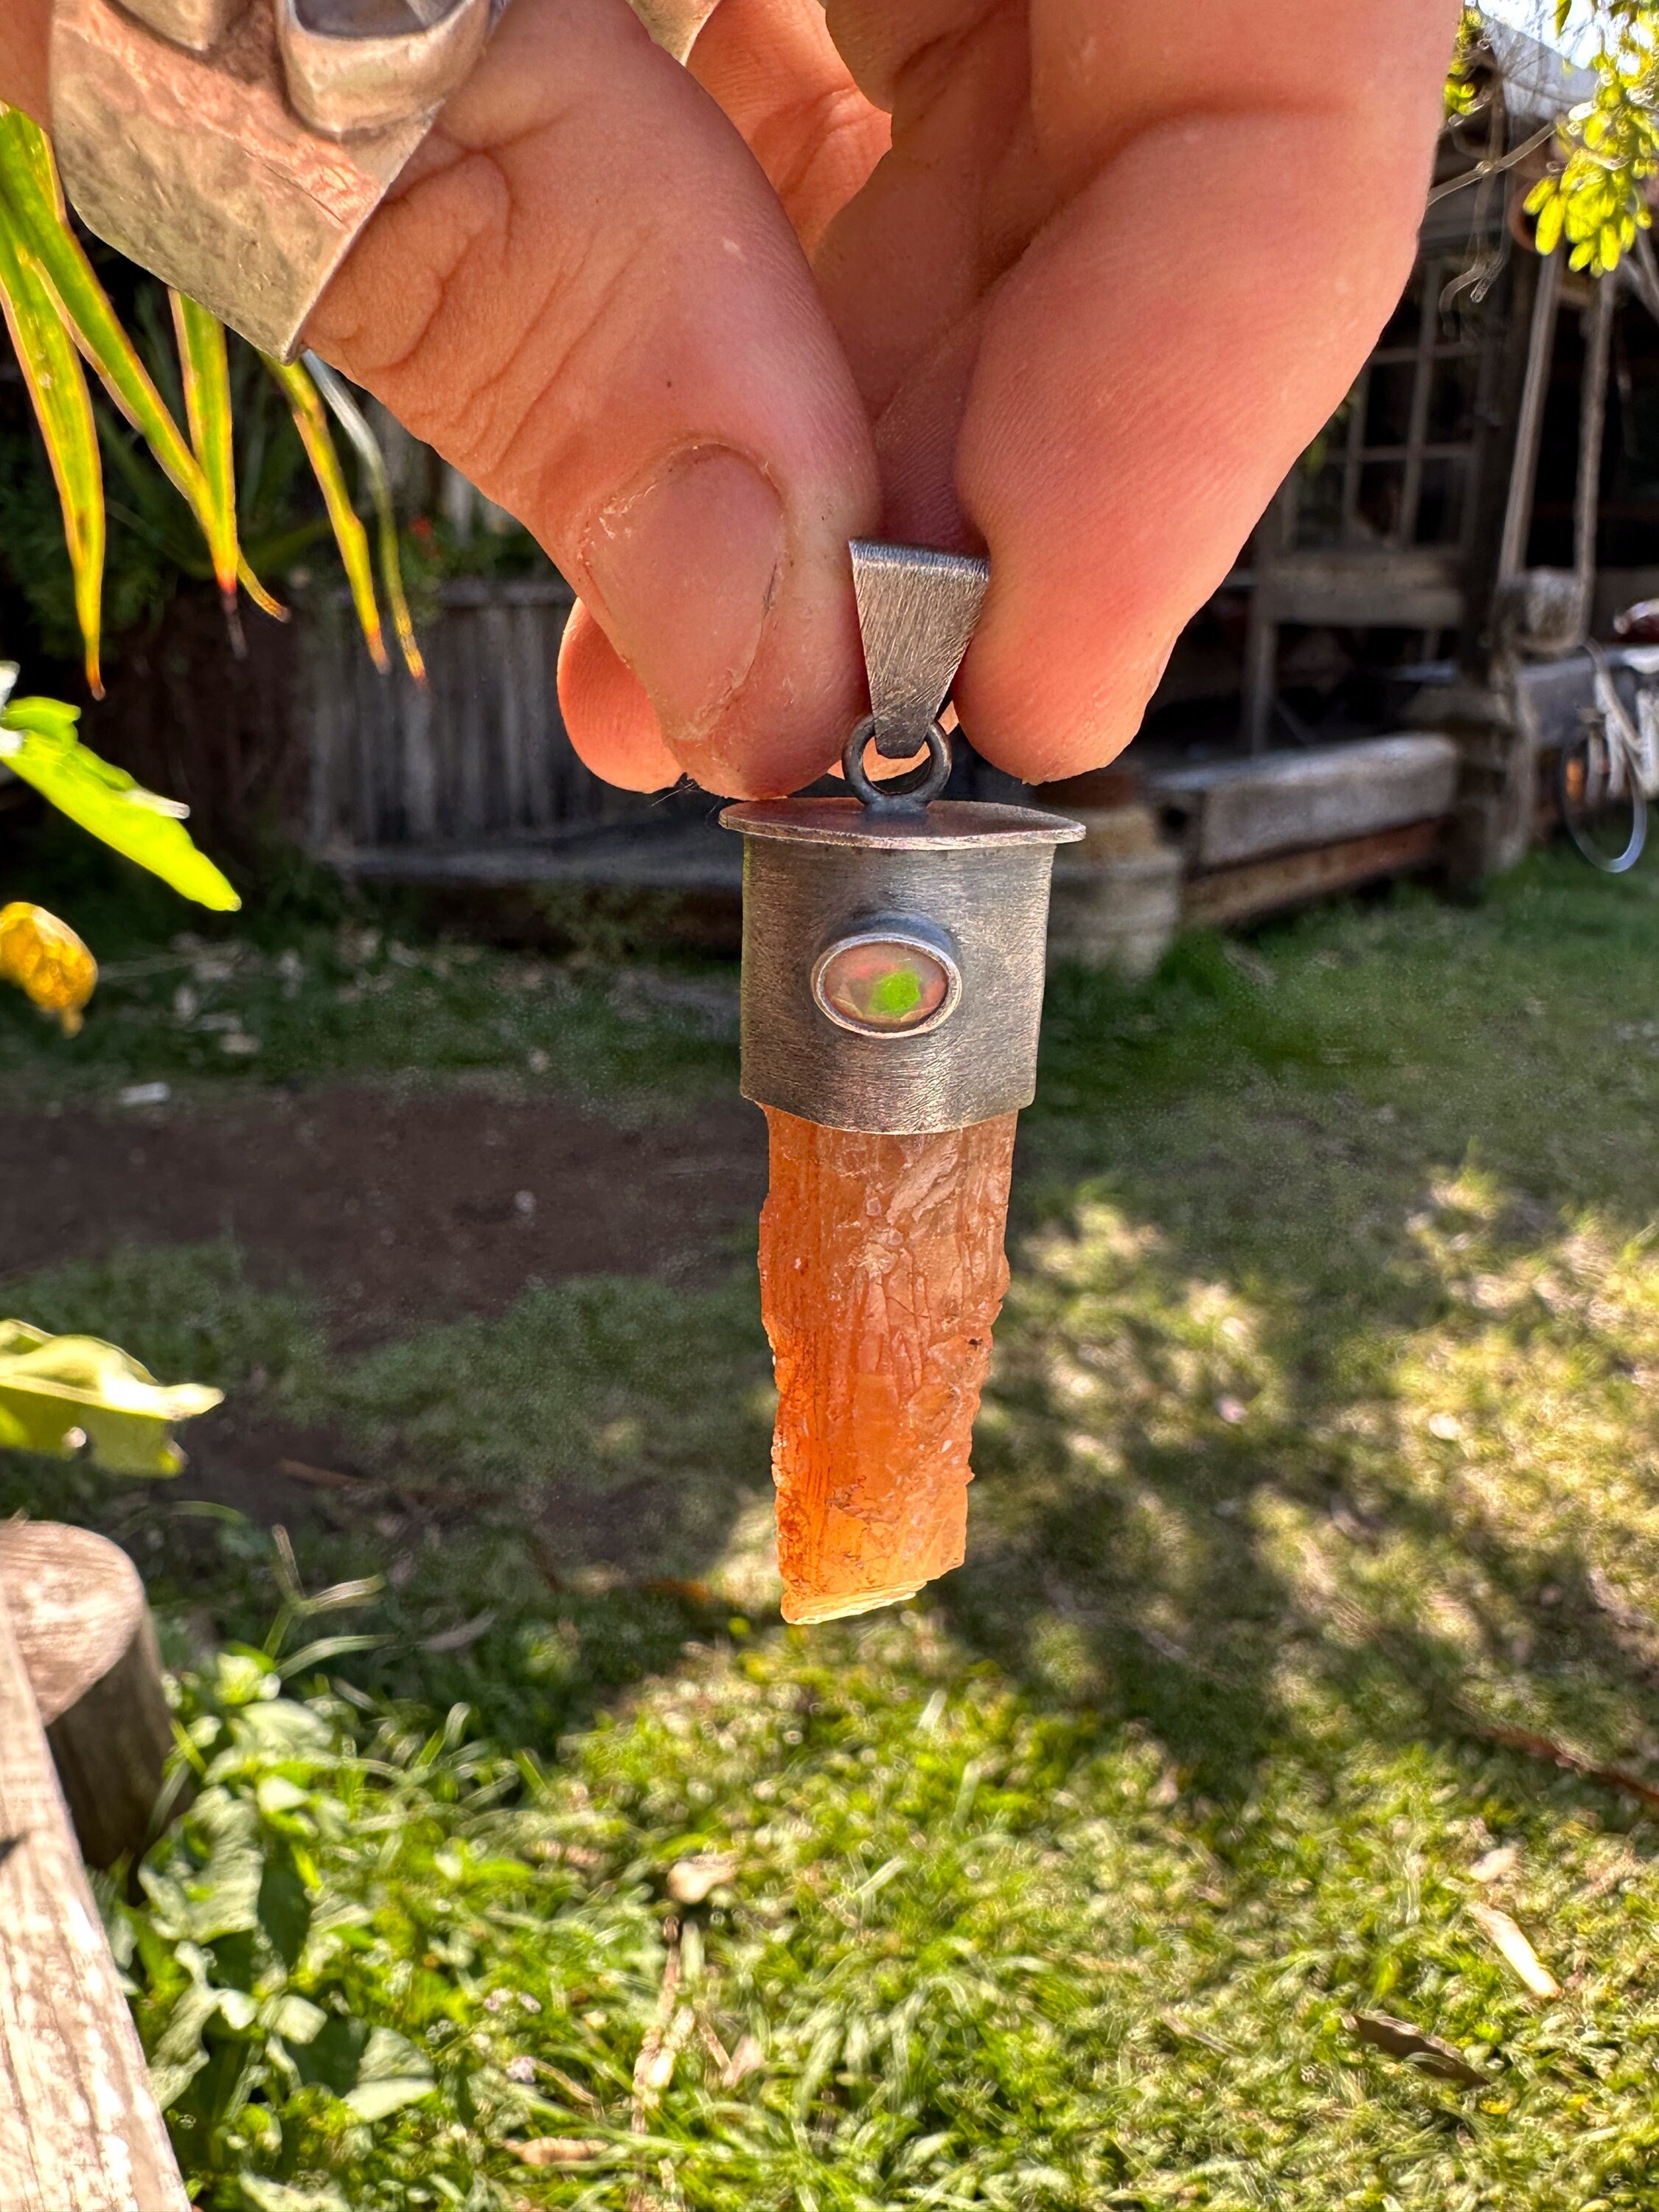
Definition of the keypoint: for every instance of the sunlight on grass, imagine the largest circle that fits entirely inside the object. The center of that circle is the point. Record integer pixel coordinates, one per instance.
(1320, 1446)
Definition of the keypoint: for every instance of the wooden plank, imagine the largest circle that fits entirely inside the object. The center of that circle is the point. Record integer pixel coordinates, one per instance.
(79, 2128)
(1261, 887)
(1285, 802)
(472, 731)
(536, 641)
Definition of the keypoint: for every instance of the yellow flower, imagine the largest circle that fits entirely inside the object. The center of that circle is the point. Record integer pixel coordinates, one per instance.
(47, 961)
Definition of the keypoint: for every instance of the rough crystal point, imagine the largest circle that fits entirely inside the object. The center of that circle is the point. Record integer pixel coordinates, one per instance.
(882, 1273)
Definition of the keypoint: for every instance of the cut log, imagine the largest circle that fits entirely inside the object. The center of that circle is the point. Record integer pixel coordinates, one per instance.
(1244, 809)
(79, 2128)
(81, 1623)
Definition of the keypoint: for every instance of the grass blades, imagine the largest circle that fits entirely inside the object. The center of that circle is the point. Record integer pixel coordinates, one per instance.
(350, 417)
(37, 743)
(312, 422)
(63, 406)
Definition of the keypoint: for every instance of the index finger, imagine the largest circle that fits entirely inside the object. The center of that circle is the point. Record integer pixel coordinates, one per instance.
(1235, 188)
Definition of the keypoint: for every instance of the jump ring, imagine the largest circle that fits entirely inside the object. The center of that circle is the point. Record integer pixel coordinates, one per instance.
(908, 794)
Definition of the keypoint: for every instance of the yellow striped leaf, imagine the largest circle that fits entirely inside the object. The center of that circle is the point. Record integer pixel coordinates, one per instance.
(63, 407)
(207, 410)
(312, 422)
(34, 200)
(350, 417)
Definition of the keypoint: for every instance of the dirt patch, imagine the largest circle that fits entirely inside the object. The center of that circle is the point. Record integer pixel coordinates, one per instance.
(395, 1210)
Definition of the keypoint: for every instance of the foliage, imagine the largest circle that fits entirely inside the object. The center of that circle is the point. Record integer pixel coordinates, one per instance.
(55, 310)
(62, 1394)
(47, 962)
(37, 743)
(1596, 197)
(69, 295)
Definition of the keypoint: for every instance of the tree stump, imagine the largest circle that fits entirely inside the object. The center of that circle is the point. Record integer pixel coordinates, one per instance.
(84, 1629)
(79, 2128)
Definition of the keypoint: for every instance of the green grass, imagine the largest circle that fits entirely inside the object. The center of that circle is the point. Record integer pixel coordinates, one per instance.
(308, 984)
(1322, 1442)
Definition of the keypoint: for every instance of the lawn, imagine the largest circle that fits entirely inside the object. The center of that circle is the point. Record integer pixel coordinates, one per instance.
(1304, 1673)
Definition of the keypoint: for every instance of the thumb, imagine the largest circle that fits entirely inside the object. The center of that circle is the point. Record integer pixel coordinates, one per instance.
(587, 297)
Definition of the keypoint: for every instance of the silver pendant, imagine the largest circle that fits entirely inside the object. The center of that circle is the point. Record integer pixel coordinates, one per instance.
(893, 941)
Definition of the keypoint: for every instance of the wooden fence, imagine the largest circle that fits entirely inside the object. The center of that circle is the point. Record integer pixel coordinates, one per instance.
(481, 752)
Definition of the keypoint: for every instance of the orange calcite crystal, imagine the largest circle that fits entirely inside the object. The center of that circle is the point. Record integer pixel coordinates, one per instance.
(882, 1273)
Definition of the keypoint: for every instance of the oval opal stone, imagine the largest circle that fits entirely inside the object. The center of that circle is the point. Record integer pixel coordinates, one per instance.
(883, 985)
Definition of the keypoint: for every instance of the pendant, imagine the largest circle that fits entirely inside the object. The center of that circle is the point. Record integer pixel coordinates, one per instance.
(893, 961)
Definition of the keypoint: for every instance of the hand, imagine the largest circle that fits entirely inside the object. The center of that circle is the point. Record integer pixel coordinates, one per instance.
(1073, 279)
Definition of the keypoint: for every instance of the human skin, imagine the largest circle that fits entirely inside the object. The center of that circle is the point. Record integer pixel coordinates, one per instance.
(1071, 281)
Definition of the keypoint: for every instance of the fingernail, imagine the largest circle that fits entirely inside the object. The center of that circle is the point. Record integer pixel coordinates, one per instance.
(683, 568)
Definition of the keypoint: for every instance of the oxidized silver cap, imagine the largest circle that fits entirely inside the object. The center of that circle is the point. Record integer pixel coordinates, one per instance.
(893, 950)
(893, 964)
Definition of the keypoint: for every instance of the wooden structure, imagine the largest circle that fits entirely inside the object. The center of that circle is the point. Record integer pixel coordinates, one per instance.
(80, 2131)
(1413, 511)
(1458, 523)
(481, 752)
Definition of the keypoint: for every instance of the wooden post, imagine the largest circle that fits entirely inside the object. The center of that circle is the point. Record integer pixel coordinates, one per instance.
(1273, 533)
(82, 1624)
(79, 2128)
(1540, 349)
(1592, 430)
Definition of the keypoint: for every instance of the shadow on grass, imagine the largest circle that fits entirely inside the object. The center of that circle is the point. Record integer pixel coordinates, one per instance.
(1324, 1382)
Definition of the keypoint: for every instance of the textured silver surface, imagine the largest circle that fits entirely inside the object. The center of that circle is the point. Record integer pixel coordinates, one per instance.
(917, 610)
(236, 148)
(196, 23)
(816, 871)
(356, 65)
(197, 169)
(949, 825)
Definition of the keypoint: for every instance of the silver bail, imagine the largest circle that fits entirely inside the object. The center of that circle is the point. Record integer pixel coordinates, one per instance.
(917, 611)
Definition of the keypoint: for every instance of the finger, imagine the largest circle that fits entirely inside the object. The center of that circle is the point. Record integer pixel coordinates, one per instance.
(25, 31)
(586, 298)
(774, 68)
(608, 715)
(1111, 407)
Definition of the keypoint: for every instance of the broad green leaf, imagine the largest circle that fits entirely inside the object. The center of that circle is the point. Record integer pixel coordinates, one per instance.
(296, 2020)
(312, 422)
(57, 390)
(59, 1392)
(47, 962)
(285, 1916)
(282, 2196)
(178, 2056)
(392, 2073)
(350, 417)
(37, 743)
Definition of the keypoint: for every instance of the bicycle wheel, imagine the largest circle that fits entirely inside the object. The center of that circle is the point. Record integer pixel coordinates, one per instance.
(1602, 804)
